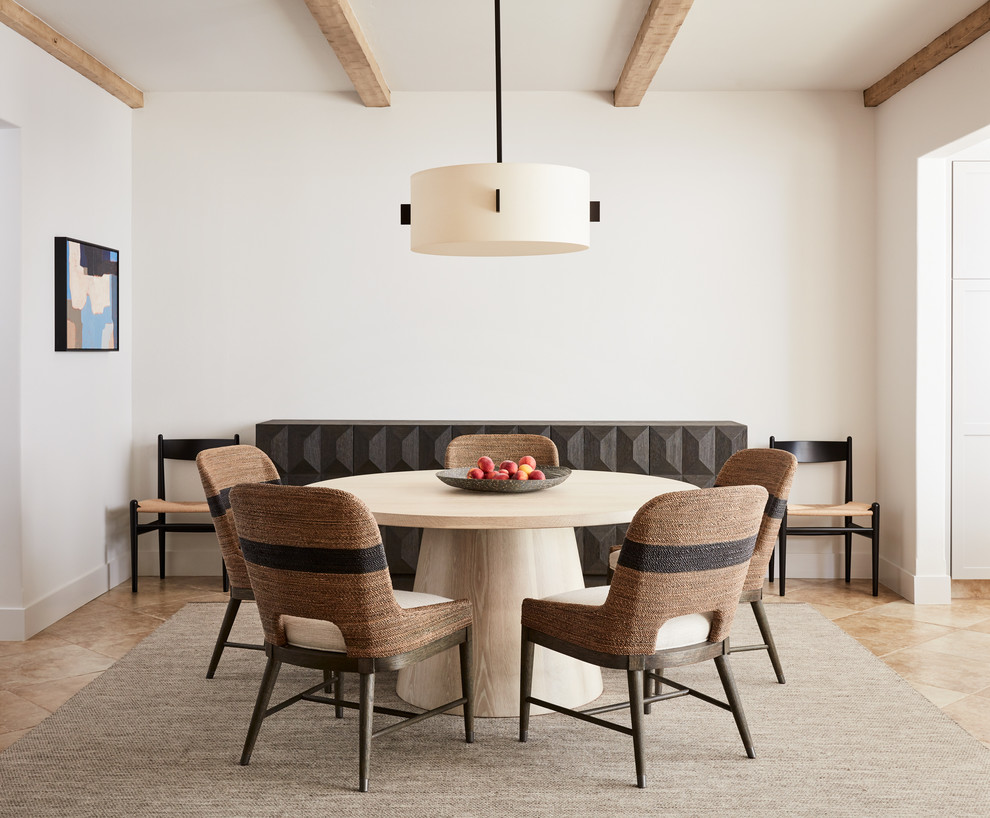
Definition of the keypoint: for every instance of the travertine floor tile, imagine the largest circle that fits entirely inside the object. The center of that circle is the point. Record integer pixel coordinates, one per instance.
(17, 713)
(52, 695)
(49, 665)
(937, 695)
(885, 634)
(857, 595)
(6, 739)
(832, 612)
(980, 627)
(97, 619)
(41, 641)
(969, 644)
(964, 675)
(972, 714)
(962, 613)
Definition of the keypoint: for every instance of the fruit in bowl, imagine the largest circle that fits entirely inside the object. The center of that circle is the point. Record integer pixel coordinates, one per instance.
(525, 469)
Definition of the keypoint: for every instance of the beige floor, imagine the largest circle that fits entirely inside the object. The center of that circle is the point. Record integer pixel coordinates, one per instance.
(942, 650)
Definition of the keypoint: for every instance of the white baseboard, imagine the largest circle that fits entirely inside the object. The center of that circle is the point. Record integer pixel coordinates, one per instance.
(931, 590)
(18, 624)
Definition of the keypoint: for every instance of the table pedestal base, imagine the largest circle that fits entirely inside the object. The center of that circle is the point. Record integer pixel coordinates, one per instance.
(497, 569)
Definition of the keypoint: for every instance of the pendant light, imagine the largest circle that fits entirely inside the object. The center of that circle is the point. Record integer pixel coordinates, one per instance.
(499, 209)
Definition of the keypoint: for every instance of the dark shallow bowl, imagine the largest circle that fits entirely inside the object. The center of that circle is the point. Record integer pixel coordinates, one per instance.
(458, 479)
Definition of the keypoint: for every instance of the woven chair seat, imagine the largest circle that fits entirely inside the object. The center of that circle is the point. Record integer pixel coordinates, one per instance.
(155, 506)
(318, 634)
(678, 632)
(841, 510)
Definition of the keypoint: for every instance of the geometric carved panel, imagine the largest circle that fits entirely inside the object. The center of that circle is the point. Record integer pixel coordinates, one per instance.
(307, 451)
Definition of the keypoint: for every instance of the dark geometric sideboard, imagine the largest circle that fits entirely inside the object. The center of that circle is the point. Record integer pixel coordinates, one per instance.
(305, 451)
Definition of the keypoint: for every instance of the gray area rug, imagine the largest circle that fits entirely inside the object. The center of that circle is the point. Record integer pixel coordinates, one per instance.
(152, 736)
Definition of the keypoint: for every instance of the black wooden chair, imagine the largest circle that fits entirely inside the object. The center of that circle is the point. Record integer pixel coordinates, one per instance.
(828, 451)
(172, 449)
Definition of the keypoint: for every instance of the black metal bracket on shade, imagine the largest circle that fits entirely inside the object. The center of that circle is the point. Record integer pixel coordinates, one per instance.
(405, 210)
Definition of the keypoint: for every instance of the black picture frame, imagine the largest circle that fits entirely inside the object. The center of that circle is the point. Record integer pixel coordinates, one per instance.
(87, 296)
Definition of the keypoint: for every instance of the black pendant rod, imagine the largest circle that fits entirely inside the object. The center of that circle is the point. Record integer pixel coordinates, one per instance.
(498, 83)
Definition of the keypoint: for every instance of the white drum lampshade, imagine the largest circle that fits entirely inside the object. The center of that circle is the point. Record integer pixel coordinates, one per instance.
(496, 209)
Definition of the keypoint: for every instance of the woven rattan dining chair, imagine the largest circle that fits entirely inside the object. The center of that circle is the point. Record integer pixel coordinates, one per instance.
(465, 450)
(774, 470)
(317, 566)
(671, 603)
(220, 470)
(829, 451)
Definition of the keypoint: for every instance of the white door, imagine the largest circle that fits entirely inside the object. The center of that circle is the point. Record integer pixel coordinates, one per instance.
(971, 371)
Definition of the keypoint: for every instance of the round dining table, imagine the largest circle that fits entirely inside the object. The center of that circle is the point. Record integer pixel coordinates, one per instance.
(496, 549)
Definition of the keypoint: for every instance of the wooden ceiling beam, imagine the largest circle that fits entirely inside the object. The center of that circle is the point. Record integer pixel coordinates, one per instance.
(966, 31)
(339, 25)
(43, 35)
(660, 25)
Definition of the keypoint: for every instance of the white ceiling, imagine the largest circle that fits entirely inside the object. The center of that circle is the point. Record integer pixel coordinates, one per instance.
(447, 45)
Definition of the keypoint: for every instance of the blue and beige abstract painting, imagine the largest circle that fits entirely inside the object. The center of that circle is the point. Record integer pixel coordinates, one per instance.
(87, 277)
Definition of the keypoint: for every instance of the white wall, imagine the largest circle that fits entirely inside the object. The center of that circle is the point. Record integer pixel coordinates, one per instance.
(918, 130)
(731, 276)
(10, 368)
(75, 409)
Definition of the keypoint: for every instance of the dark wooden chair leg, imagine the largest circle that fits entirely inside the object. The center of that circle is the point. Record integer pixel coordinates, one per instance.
(729, 685)
(338, 683)
(782, 545)
(134, 546)
(228, 622)
(770, 567)
(647, 687)
(525, 684)
(760, 613)
(636, 711)
(367, 713)
(260, 706)
(161, 547)
(226, 579)
(849, 549)
(467, 685)
(875, 543)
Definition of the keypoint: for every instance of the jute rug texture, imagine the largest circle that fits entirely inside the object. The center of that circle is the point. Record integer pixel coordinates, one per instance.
(152, 736)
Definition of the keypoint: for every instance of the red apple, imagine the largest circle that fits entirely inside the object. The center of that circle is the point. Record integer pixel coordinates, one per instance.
(509, 466)
(522, 474)
(501, 475)
(490, 475)
(475, 474)
(487, 464)
(527, 461)
(536, 474)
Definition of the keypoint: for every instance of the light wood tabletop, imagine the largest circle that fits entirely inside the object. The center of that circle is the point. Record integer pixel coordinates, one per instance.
(496, 550)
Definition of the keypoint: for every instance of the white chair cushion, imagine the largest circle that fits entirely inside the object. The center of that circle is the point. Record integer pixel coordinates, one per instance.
(678, 632)
(318, 634)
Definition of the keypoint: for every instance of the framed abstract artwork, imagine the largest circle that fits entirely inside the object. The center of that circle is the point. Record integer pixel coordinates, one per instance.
(87, 304)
